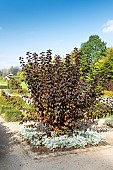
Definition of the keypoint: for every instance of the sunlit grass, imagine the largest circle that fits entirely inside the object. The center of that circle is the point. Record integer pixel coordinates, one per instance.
(3, 81)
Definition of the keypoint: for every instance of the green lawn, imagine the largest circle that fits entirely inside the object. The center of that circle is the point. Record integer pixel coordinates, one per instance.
(3, 81)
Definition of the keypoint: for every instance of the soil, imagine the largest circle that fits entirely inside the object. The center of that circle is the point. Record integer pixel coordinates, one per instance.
(16, 153)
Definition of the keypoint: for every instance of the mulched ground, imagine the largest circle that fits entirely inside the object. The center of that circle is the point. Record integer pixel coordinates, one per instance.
(43, 150)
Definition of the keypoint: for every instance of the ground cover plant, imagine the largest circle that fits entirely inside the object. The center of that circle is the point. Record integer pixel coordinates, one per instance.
(79, 139)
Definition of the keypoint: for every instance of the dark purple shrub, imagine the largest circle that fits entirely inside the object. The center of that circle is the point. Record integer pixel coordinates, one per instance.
(61, 92)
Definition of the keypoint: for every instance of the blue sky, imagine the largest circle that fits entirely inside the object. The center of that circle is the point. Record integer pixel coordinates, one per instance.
(60, 25)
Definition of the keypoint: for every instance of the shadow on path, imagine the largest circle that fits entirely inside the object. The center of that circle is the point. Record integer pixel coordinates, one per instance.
(7, 154)
(13, 156)
(5, 141)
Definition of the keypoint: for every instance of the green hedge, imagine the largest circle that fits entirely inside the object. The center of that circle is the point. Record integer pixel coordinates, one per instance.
(3, 101)
(9, 107)
(12, 115)
(4, 109)
(3, 86)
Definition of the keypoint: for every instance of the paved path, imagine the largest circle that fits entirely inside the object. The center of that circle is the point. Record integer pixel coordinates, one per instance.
(15, 155)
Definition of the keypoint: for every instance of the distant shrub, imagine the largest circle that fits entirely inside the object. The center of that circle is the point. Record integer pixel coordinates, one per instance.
(108, 93)
(23, 91)
(2, 92)
(20, 91)
(14, 84)
(109, 121)
(3, 101)
(12, 115)
(99, 110)
(16, 91)
(11, 107)
(16, 101)
(4, 108)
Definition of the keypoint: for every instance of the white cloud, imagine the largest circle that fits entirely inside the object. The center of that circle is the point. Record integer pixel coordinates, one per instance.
(108, 27)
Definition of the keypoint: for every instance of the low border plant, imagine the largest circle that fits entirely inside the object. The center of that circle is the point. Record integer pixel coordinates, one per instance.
(79, 139)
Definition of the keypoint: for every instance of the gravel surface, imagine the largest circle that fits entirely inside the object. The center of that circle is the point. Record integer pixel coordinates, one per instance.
(15, 154)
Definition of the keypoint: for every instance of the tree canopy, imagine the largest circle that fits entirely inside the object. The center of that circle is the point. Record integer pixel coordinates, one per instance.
(105, 64)
(14, 70)
(92, 50)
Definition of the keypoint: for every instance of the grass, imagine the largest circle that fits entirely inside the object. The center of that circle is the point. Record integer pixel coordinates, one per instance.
(3, 82)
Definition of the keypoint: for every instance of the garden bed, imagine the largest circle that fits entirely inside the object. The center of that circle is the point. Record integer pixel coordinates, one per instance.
(41, 143)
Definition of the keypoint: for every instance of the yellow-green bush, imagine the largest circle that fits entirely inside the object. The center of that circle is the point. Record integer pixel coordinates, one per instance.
(108, 93)
(9, 107)
(19, 91)
(3, 101)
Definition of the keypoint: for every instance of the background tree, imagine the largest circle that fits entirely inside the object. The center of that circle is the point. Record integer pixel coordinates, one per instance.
(106, 65)
(5, 71)
(1, 74)
(14, 70)
(92, 50)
